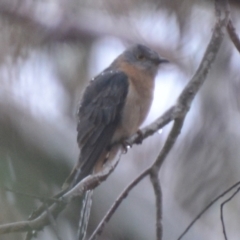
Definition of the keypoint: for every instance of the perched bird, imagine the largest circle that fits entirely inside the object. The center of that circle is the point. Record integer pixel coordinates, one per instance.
(113, 106)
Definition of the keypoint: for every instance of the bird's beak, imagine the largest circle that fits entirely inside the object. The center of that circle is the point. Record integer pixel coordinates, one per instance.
(162, 60)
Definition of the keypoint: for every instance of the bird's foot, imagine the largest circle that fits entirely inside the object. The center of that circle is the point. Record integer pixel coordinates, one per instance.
(139, 138)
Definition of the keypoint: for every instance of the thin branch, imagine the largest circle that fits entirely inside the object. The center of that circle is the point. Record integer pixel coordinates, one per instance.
(42, 220)
(53, 223)
(116, 204)
(221, 211)
(171, 139)
(158, 196)
(206, 208)
(159, 123)
(233, 35)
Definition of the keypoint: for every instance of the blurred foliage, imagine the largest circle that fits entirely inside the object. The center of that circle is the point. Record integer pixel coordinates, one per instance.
(49, 50)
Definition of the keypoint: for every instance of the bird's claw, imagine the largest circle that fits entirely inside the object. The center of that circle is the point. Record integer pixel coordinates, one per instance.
(139, 138)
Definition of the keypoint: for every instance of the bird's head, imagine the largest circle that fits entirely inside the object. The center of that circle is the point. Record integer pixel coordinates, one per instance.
(143, 58)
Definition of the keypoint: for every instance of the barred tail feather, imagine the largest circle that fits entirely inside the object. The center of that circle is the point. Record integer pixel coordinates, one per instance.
(85, 214)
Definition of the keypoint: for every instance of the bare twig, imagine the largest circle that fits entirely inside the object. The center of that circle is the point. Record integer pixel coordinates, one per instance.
(171, 139)
(158, 196)
(39, 222)
(221, 212)
(53, 223)
(118, 201)
(233, 35)
(162, 121)
(206, 208)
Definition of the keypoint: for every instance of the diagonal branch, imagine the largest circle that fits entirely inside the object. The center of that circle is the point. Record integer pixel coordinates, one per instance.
(149, 130)
(117, 203)
(206, 208)
(158, 195)
(53, 223)
(221, 211)
(90, 182)
(233, 35)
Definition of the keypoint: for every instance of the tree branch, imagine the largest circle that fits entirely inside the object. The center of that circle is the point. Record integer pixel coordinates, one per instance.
(158, 195)
(116, 204)
(206, 208)
(53, 223)
(221, 212)
(90, 182)
(233, 35)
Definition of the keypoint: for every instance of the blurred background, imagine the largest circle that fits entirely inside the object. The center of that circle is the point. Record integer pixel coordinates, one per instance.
(49, 51)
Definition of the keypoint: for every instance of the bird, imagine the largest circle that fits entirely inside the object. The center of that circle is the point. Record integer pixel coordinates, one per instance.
(113, 106)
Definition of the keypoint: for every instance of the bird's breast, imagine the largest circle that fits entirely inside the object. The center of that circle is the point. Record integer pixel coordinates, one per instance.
(135, 110)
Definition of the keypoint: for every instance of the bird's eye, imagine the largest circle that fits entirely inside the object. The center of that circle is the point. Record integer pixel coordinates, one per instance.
(140, 57)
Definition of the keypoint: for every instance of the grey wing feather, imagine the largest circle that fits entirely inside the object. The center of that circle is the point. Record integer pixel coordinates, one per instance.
(99, 116)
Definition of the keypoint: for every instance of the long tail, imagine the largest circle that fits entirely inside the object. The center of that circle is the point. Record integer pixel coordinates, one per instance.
(85, 214)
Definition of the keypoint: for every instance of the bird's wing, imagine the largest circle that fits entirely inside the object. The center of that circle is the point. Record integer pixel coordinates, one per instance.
(99, 115)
